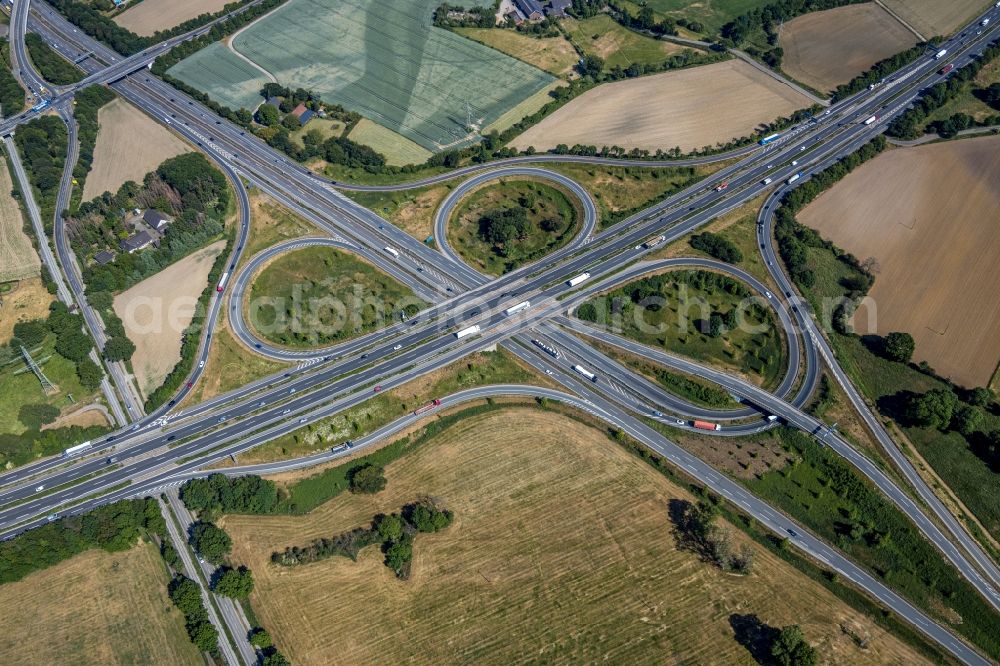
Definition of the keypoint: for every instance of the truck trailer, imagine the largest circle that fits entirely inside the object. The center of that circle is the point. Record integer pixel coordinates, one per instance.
(471, 330)
(705, 425)
(586, 373)
(428, 407)
(793, 179)
(222, 282)
(582, 277)
(514, 309)
(940, 54)
(79, 448)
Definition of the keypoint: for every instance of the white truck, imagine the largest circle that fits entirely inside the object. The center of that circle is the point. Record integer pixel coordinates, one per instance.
(514, 309)
(391, 250)
(766, 181)
(940, 54)
(79, 448)
(582, 277)
(793, 179)
(870, 120)
(471, 330)
(586, 373)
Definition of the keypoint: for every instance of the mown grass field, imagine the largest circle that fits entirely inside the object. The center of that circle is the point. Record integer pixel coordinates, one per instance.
(18, 259)
(561, 551)
(22, 301)
(273, 224)
(555, 55)
(547, 203)
(411, 210)
(618, 46)
(397, 149)
(151, 16)
(317, 295)
(95, 608)
(326, 127)
(380, 58)
(678, 323)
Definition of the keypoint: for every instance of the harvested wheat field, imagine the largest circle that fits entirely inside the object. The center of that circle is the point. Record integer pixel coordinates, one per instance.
(150, 16)
(561, 551)
(935, 17)
(688, 108)
(18, 259)
(928, 215)
(157, 310)
(825, 49)
(27, 300)
(95, 608)
(129, 145)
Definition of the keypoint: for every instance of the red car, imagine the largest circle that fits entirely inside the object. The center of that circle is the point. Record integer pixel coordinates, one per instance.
(378, 388)
(190, 384)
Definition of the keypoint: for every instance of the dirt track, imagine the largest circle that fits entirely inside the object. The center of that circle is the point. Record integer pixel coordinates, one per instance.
(689, 108)
(929, 217)
(825, 49)
(129, 145)
(157, 310)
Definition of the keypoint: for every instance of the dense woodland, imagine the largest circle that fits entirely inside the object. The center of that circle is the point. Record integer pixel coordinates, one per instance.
(42, 143)
(52, 66)
(12, 96)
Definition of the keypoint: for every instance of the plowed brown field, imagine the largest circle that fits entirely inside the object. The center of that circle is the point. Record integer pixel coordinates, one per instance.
(929, 217)
(825, 49)
(561, 552)
(689, 108)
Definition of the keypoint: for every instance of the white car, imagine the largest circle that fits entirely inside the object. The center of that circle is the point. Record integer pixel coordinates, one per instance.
(397, 347)
(40, 488)
(201, 364)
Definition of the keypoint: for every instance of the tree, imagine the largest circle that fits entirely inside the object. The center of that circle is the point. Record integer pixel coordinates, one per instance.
(212, 542)
(30, 333)
(366, 479)
(291, 122)
(34, 416)
(89, 373)
(500, 228)
(267, 115)
(980, 397)
(259, 638)
(234, 583)
(791, 649)
(399, 554)
(274, 658)
(933, 409)
(390, 527)
(73, 345)
(717, 246)
(967, 419)
(591, 65)
(898, 347)
(118, 348)
(426, 517)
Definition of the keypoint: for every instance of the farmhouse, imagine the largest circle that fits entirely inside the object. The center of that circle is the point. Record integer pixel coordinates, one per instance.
(530, 9)
(302, 113)
(137, 241)
(156, 220)
(103, 257)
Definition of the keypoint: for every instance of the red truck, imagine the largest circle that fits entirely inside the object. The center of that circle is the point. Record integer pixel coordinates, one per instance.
(721, 187)
(429, 406)
(705, 425)
(947, 68)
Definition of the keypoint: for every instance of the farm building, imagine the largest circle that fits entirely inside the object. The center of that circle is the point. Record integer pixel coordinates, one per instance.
(137, 241)
(530, 9)
(156, 220)
(302, 113)
(104, 257)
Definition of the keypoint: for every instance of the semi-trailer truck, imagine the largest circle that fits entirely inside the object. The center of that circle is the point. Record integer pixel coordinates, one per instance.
(471, 330)
(793, 179)
(870, 120)
(586, 373)
(582, 277)
(428, 407)
(222, 282)
(653, 242)
(768, 139)
(79, 448)
(940, 54)
(391, 250)
(544, 347)
(947, 68)
(722, 186)
(514, 309)
(705, 425)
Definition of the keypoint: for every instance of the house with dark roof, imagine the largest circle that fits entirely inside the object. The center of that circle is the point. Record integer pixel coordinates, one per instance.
(306, 116)
(274, 101)
(156, 220)
(557, 8)
(137, 241)
(532, 9)
(103, 257)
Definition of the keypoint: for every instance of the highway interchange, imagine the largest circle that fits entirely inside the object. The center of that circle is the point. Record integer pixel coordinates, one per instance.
(152, 456)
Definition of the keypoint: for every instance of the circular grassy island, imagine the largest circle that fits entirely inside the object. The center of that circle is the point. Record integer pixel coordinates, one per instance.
(509, 223)
(316, 296)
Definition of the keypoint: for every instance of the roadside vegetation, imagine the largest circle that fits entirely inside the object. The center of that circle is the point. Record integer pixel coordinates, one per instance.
(52, 66)
(314, 296)
(504, 225)
(12, 97)
(42, 143)
(696, 314)
(88, 102)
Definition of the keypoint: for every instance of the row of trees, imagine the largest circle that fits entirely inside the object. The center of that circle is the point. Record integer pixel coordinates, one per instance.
(395, 532)
(186, 595)
(217, 494)
(910, 123)
(793, 238)
(877, 72)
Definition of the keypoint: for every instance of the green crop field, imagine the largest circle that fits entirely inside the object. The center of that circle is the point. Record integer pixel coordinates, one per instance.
(380, 58)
